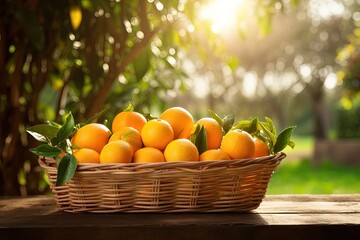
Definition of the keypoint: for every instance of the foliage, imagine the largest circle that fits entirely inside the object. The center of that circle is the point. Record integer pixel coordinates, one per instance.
(348, 118)
(265, 131)
(348, 112)
(301, 177)
(349, 57)
(57, 144)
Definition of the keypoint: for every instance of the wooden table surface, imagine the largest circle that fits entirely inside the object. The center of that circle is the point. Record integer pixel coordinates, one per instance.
(278, 217)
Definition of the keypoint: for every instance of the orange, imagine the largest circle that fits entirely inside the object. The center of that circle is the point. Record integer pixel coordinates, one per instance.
(128, 119)
(181, 150)
(261, 149)
(214, 154)
(87, 155)
(238, 144)
(180, 120)
(148, 155)
(130, 135)
(157, 133)
(116, 152)
(93, 136)
(213, 130)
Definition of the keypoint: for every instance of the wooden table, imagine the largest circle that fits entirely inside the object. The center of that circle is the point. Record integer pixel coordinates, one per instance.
(278, 217)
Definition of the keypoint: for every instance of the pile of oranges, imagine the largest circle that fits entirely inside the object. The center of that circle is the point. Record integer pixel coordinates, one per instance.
(133, 138)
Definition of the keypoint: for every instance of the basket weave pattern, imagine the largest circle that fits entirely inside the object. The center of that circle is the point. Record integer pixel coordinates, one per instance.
(207, 186)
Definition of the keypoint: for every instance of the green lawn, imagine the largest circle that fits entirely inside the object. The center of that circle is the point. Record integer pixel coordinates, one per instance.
(304, 145)
(301, 177)
(297, 175)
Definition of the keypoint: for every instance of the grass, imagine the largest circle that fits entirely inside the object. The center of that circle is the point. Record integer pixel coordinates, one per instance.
(297, 175)
(304, 145)
(301, 177)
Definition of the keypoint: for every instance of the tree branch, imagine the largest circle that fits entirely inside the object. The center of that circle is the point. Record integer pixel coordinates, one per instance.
(63, 94)
(97, 103)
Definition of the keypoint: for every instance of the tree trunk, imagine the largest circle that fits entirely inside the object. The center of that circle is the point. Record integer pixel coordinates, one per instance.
(319, 111)
(11, 163)
(320, 119)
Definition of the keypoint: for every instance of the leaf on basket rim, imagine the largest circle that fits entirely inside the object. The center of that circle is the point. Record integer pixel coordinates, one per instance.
(266, 130)
(46, 150)
(272, 127)
(283, 139)
(43, 132)
(253, 129)
(66, 169)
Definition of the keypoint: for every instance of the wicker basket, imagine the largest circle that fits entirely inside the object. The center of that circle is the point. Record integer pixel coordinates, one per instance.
(207, 186)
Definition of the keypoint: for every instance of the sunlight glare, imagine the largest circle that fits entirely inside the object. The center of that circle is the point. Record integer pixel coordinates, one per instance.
(250, 84)
(325, 9)
(220, 13)
(305, 70)
(331, 81)
(201, 88)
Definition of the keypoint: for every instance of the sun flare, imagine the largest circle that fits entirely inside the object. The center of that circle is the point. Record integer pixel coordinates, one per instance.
(221, 14)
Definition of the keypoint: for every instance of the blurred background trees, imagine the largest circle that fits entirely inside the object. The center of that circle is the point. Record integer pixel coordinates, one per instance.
(266, 58)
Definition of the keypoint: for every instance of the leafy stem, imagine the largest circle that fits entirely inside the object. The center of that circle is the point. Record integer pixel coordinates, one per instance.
(263, 130)
(266, 132)
(56, 144)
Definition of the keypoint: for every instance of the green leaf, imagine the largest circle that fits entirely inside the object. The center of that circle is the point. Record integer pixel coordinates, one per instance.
(149, 117)
(67, 129)
(32, 28)
(195, 133)
(54, 124)
(228, 122)
(250, 126)
(271, 125)
(129, 108)
(253, 129)
(199, 138)
(96, 116)
(43, 132)
(291, 144)
(283, 139)
(54, 141)
(242, 125)
(66, 169)
(268, 133)
(46, 150)
(216, 117)
(264, 139)
(142, 63)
